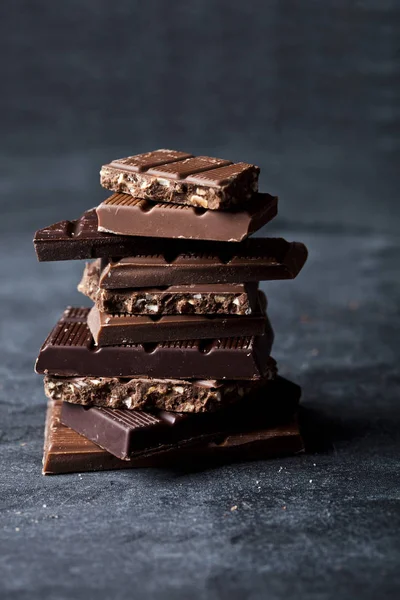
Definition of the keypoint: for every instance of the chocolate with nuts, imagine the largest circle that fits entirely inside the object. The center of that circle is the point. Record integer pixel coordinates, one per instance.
(266, 430)
(217, 298)
(114, 329)
(181, 178)
(142, 393)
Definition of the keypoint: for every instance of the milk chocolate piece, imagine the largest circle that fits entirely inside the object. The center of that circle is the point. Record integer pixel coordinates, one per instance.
(171, 176)
(142, 393)
(115, 329)
(265, 259)
(76, 240)
(65, 451)
(130, 434)
(79, 239)
(125, 215)
(69, 351)
(216, 298)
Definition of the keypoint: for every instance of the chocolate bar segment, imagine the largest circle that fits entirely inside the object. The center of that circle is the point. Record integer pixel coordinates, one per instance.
(211, 183)
(141, 393)
(187, 167)
(114, 329)
(65, 451)
(80, 239)
(216, 298)
(69, 351)
(129, 434)
(265, 259)
(76, 240)
(142, 162)
(124, 215)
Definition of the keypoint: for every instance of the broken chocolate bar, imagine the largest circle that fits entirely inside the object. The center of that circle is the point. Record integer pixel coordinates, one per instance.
(181, 178)
(65, 451)
(271, 258)
(115, 329)
(76, 240)
(79, 239)
(128, 434)
(124, 215)
(69, 351)
(216, 298)
(142, 393)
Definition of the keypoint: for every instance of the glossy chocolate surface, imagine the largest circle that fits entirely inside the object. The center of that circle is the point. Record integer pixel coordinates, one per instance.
(252, 261)
(69, 351)
(181, 178)
(127, 434)
(124, 215)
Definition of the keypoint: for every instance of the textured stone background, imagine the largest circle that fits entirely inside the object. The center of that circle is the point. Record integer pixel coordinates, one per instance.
(310, 92)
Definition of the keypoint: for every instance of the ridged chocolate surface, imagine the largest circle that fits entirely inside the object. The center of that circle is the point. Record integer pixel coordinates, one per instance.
(148, 160)
(69, 351)
(192, 166)
(123, 214)
(181, 178)
(128, 434)
(76, 240)
(264, 259)
(65, 451)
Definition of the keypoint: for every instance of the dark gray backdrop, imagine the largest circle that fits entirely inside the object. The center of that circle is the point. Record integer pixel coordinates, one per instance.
(309, 90)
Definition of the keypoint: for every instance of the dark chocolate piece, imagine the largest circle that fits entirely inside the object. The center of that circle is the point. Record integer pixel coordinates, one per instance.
(215, 298)
(128, 433)
(65, 451)
(79, 239)
(112, 330)
(76, 240)
(142, 393)
(268, 259)
(69, 351)
(124, 215)
(170, 176)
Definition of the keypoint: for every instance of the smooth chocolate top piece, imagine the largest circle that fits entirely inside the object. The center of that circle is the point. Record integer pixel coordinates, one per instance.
(181, 178)
(130, 433)
(215, 298)
(69, 351)
(254, 260)
(124, 215)
(77, 240)
(65, 451)
(114, 329)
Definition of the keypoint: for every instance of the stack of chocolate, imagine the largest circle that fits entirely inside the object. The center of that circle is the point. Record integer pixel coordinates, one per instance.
(172, 363)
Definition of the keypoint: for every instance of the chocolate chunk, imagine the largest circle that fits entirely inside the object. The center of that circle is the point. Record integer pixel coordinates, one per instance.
(69, 351)
(115, 329)
(128, 434)
(79, 239)
(123, 214)
(76, 240)
(268, 259)
(141, 393)
(65, 451)
(216, 298)
(170, 176)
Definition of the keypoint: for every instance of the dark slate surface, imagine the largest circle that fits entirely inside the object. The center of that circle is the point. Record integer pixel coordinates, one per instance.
(308, 91)
(323, 525)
